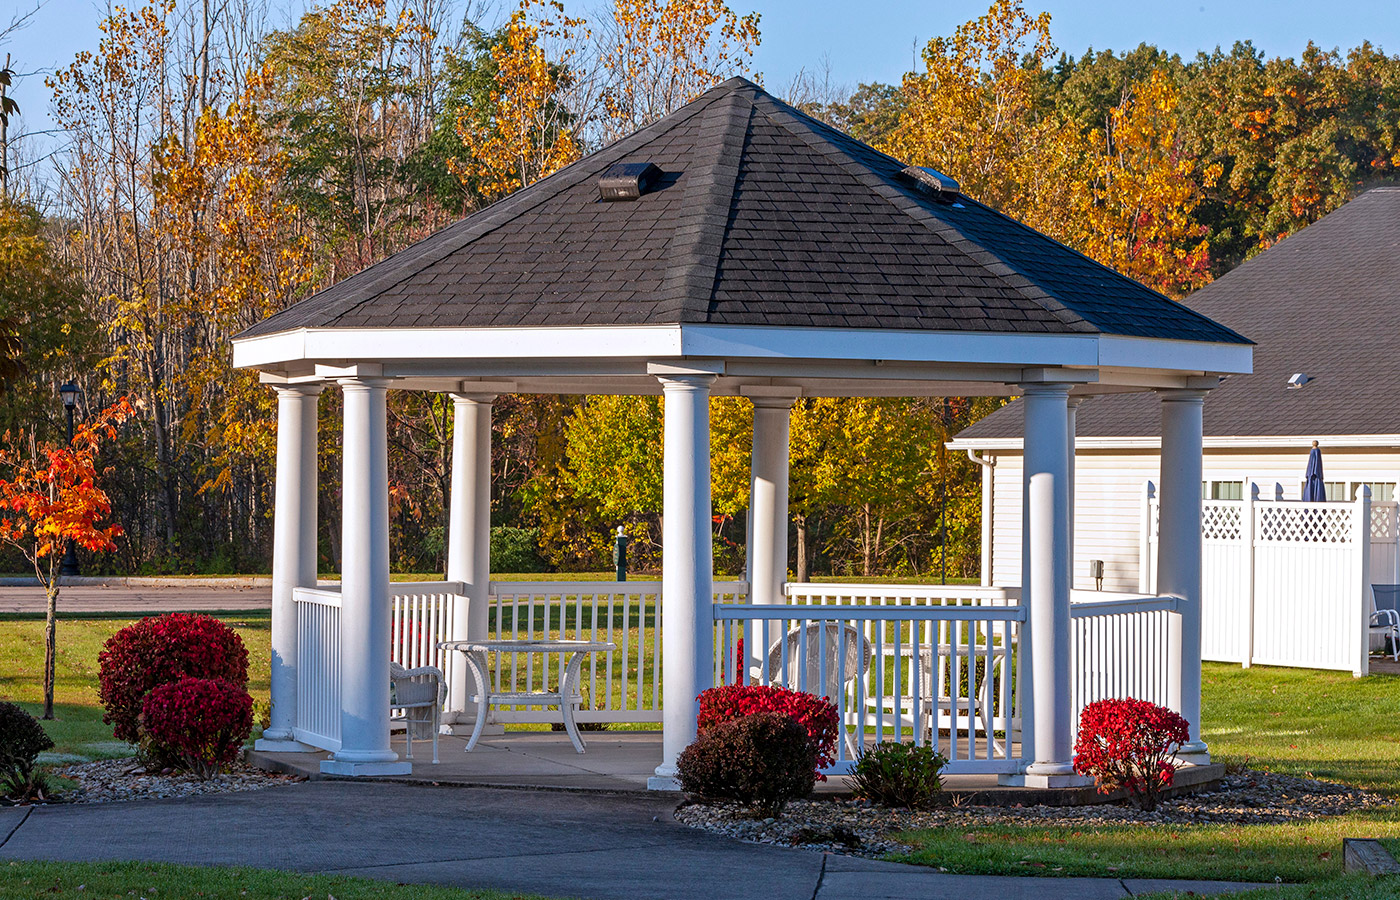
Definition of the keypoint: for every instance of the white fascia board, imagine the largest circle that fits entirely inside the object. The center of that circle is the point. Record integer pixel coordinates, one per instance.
(655, 342)
(757, 342)
(363, 344)
(1176, 356)
(1231, 442)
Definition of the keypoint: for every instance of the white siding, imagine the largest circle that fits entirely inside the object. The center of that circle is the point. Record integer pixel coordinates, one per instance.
(1108, 494)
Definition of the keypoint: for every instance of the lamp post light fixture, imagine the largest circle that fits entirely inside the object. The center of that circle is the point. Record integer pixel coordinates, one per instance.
(69, 392)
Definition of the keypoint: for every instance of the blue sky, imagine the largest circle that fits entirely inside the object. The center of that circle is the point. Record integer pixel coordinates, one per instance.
(877, 40)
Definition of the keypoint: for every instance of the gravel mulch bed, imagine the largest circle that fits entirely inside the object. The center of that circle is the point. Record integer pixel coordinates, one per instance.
(109, 780)
(859, 828)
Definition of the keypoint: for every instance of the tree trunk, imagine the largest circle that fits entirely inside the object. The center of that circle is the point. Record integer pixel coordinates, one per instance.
(50, 646)
(801, 548)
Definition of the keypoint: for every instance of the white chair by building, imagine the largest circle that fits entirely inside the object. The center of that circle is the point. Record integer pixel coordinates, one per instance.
(1385, 616)
(418, 694)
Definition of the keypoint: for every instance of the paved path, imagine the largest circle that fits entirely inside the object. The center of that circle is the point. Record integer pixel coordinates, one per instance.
(138, 600)
(558, 844)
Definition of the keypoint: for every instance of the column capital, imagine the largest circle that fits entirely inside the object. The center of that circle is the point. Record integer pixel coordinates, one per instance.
(462, 397)
(784, 403)
(364, 383)
(689, 381)
(1073, 402)
(1183, 395)
(1045, 388)
(310, 389)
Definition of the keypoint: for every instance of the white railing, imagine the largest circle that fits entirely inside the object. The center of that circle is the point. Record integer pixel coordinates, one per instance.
(318, 667)
(1120, 648)
(933, 673)
(422, 618)
(623, 685)
(900, 594)
(1285, 582)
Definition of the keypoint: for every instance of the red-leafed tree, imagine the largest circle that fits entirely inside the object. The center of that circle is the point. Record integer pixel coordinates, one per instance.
(50, 496)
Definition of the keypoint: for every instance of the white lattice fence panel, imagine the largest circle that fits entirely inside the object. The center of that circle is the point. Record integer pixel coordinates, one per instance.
(1220, 520)
(1310, 523)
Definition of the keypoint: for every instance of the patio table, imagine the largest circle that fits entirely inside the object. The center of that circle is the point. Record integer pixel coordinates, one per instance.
(566, 698)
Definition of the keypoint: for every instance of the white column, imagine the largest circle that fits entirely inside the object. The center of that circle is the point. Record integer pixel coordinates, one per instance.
(1072, 410)
(1045, 586)
(364, 587)
(687, 589)
(293, 553)
(469, 535)
(1179, 556)
(768, 499)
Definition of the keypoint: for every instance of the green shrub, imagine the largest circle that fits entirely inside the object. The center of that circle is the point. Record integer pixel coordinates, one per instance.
(516, 550)
(22, 739)
(762, 761)
(895, 774)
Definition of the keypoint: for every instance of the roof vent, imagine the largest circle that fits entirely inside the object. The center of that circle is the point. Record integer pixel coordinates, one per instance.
(627, 181)
(932, 182)
(1297, 380)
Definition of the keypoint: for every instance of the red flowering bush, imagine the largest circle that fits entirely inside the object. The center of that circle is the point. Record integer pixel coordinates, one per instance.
(159, 650)
(816, 714)
(1128, 745)
(201, 723)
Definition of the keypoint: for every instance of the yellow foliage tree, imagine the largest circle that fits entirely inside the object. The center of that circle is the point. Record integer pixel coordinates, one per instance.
(1138, 218)
(524, 134)
(661, 55)
(972, 112)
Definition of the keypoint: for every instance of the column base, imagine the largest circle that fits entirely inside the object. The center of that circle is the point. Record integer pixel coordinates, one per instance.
(283, 745)
(1193, 754)
(663, 783)
(1029, 780)
(362, 769)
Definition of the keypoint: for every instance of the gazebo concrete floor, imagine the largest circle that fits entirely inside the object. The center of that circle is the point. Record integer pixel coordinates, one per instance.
(621, 761)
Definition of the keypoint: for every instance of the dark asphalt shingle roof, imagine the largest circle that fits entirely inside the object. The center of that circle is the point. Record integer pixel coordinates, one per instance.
(1324, 302)
(764, 217)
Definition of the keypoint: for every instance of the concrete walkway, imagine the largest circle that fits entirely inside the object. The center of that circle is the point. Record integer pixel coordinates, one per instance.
(560, 844)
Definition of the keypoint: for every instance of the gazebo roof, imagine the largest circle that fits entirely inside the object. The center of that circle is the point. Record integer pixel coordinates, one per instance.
(767, 233)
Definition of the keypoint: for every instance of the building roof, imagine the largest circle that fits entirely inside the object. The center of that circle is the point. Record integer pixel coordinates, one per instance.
(763, 217)
(1324, 302)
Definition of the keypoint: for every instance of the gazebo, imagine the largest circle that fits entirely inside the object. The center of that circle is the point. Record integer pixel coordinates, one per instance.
(737, 248)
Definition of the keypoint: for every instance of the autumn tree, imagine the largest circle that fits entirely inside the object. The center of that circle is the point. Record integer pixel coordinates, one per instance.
(659, 55)
(49, 497)
(524, 132)
(1138, 214)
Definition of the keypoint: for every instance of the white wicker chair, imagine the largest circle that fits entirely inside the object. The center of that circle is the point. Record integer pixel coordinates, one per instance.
(808, 641)
(422, 690)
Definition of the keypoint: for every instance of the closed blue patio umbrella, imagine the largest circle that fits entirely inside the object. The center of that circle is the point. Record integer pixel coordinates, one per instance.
(1313, 486)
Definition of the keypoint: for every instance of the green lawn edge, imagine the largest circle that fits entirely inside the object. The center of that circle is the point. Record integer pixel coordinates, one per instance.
(23, 879)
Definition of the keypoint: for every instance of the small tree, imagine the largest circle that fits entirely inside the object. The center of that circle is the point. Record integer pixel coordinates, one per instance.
(48, 497)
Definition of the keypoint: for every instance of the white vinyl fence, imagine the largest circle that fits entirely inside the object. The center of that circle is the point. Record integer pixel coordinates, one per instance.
(1287, 583)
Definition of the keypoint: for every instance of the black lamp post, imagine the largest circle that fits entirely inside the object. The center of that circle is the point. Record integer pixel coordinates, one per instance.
(69, 392)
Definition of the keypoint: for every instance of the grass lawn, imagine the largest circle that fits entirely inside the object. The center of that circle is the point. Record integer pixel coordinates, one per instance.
(1322, 724)
(154, 880)
(77, 730)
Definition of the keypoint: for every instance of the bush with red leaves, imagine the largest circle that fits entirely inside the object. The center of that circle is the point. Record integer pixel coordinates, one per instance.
(816, 714)
(1128, 745)
(199, 722)
(159, 650)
